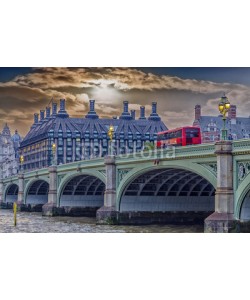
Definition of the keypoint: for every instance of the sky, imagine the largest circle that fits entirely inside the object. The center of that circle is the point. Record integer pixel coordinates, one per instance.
(25, 91)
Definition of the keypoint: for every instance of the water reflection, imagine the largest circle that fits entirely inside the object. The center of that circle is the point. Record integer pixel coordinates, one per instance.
(35, 222)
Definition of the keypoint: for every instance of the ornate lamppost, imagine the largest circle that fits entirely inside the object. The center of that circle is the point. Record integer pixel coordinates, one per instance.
(224, 107)
(110, 134)
(54, 153)
(21, 162)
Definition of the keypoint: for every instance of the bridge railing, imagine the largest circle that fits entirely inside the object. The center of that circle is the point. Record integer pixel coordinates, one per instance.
(241, 145)
(81, 163)
(170, 153)
(10, 179)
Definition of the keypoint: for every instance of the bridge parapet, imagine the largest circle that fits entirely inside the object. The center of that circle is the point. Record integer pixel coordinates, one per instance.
(91, 163)
(10, 179)
(241, 146)
(36, 173)
(203, 150)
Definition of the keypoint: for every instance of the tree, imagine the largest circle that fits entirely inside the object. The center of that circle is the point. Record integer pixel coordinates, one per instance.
(149, 146)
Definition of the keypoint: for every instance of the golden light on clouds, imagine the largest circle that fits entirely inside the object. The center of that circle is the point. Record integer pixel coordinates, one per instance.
(28, 93)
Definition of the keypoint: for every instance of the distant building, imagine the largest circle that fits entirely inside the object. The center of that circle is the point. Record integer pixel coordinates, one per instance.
(9, 157)
(86, 137)
(211, 126)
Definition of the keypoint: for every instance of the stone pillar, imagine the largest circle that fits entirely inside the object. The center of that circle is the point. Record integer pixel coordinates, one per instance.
(222, 220)
(52, 196)
(50, 209)
(110, 192)
(1, 191)
(20, 196)
(108, 213)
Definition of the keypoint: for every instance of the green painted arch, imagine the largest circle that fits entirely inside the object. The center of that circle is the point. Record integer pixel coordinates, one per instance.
(71, 175)
(240, 194)
(29, 184)
(6, 188)
(189, 166)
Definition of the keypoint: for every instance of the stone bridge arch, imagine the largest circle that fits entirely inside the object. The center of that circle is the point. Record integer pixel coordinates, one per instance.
(36, 191)
(189, 166)
(83, 189)
(242, 200)
(183, 173)
(11, 192)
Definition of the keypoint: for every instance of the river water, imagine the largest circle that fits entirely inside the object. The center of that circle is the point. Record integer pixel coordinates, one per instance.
(35, 222)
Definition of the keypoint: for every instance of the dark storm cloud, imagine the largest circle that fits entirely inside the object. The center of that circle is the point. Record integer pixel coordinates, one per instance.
(176, 97)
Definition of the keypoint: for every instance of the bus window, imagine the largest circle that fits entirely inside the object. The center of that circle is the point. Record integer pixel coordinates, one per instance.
(192, 132)
(179, 134)
(161, 137)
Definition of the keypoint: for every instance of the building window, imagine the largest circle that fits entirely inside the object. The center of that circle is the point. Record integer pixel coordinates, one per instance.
(69, 142)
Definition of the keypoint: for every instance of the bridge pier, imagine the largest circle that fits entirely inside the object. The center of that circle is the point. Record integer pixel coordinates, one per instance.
(222, 220)
(1, 192)
(20, 196)
(108, 214)
(51, 209)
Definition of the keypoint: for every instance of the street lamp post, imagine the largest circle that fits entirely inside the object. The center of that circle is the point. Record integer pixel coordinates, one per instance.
(110, 134)
(224, 107)
(54, 153)
(21, 162)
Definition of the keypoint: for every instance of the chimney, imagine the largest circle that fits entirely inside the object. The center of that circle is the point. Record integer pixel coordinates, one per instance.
(132, 114)
(197, 111)
(154, 116)
(92, 113)
(125, 115)
(125, 106)
(142, 112)
(62, 112)
(36, 121)
(35, 118)
(41, 115)
(62, 104)
(47, 112)
(232, 112)
(154, 107)
(92, 105)
(54, 109)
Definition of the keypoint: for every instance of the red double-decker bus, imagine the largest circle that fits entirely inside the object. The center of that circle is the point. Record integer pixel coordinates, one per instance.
(179, 137)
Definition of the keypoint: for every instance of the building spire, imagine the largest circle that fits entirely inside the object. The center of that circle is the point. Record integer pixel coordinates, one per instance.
(6, 130)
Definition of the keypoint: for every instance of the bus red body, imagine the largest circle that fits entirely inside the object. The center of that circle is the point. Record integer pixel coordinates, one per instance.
(179, 137)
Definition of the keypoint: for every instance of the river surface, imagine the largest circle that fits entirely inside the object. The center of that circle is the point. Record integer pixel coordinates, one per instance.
(35, 222)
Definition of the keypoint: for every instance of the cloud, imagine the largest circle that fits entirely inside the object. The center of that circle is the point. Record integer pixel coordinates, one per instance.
(176, 97)
(118, 78)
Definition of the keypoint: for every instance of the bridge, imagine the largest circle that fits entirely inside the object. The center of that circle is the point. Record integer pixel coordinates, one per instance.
(208, 182)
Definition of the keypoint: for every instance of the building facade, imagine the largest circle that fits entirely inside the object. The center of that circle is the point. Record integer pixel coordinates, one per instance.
(211, 126)
(9, 155)
(84, 138)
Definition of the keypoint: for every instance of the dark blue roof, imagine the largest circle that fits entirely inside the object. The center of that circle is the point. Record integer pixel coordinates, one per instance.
(91, 126)
(87, 127)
